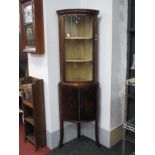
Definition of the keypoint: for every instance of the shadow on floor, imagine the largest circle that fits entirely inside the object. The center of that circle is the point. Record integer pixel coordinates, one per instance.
(86, 146)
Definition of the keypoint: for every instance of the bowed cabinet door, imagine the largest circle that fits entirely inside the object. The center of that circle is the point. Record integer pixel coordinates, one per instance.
(69, 103)
(88, 103)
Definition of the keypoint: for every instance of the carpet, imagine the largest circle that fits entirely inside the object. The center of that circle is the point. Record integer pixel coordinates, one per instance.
(86, 146)
(26, 148)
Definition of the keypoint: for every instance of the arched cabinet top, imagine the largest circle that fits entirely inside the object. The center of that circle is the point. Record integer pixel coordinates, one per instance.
(77, 11)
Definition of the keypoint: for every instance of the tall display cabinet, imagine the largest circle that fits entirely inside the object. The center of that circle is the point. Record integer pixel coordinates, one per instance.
(78, 88)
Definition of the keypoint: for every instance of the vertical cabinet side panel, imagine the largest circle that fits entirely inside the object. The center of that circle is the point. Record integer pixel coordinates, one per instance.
(39, 113)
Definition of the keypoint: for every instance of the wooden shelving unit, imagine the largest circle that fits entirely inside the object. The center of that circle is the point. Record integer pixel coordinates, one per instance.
(34, 113)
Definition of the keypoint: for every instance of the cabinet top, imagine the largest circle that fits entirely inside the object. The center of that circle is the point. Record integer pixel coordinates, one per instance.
(75, 11)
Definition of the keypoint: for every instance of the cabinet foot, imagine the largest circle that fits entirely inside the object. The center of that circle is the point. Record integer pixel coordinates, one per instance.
(78, 129)
(61, 133)
(96, 133)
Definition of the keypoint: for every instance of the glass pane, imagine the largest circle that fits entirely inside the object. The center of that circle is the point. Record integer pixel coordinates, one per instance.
(79, 71)
(78, 49)
(78, 26)
(29, 35)
(28, 13)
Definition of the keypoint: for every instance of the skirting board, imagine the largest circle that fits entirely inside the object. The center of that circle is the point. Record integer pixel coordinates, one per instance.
(116, 135)
(106, 137)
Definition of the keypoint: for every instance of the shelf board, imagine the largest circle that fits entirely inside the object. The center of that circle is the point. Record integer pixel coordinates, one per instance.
(29, 104)
(72, 38)
(130, 125)
(29, 120)
(31, 138)
(26, 87)
(89, 60)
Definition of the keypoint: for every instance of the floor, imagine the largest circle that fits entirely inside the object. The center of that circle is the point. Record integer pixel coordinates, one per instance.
(86, 146)
(26, 148)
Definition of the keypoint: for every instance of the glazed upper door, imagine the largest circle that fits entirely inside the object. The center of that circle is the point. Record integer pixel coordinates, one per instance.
(78, 48)
(28, 24)
(78, 27)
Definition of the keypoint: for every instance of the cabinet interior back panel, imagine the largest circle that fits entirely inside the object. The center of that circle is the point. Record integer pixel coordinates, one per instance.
(79, 71)
(78, 26)
(78, 49)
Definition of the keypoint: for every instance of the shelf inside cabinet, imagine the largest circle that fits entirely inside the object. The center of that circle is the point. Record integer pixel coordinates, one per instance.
(130, 125)
(30, 120)
(88, 60)
(72, 38)
(29, 104)
(31, 138)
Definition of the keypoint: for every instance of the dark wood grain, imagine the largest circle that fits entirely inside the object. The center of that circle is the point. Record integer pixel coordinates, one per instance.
(77, 11)
(78, 103)
(69, 104)
(34, 112)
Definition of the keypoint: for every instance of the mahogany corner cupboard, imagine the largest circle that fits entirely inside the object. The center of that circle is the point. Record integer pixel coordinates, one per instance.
(78, 88)
(31, 26)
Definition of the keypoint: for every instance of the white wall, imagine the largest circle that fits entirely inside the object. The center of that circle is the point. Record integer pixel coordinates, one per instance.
(119, 50)
(46, 66)
(112, 57)
(112, 64)
(38, 67)
(104, 49)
